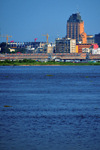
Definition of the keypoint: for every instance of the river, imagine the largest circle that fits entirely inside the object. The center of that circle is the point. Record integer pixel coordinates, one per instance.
(49, 107)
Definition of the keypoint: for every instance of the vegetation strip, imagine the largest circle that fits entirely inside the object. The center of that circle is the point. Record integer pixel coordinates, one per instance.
(27, 62)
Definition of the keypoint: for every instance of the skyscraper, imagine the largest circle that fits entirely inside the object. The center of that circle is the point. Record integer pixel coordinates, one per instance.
(75, 28)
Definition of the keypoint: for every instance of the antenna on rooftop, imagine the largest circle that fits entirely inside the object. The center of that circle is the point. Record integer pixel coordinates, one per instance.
(58, 35)
(77, 9)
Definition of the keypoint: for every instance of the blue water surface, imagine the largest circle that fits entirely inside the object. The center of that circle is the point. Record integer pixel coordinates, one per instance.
(51, 108)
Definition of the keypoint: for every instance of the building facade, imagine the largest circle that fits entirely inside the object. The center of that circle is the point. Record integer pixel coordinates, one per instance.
(82, 47)
(90, 39)
(65, 45)
(96, 51)
(75, 28)
(97, 39)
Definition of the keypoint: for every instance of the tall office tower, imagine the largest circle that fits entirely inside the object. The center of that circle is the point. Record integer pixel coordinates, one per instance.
(75, 28)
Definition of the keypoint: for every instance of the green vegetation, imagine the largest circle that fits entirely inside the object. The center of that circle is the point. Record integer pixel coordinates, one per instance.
(33, 63)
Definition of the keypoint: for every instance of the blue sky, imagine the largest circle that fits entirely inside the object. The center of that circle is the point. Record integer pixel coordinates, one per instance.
(26, 20)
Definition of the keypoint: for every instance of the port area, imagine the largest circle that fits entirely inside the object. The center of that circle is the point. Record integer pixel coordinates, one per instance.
(57, 57)
(48, 59)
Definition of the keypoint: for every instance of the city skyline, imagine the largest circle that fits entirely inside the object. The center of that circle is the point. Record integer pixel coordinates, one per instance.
(27, 20)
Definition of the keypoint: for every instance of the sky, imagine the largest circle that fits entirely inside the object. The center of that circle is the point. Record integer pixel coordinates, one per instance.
(26, 20)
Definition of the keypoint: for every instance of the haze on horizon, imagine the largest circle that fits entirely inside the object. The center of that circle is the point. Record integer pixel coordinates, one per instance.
(30, 19)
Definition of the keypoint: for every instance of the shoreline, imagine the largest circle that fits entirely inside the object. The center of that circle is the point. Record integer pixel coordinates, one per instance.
(55, 65)
(49, 63)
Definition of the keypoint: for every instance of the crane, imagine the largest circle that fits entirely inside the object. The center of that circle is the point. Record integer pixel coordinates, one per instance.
(35, 39)
(7, 36)
(47, 36)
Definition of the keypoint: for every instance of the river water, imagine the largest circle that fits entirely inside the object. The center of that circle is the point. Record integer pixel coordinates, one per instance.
(51, 108)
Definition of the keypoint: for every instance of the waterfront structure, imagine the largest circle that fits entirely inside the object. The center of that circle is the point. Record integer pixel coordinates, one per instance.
(65, 45)
(97, 39)
(75, 28)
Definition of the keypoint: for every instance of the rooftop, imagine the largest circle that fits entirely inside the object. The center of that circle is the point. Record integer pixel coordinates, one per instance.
(75, 18)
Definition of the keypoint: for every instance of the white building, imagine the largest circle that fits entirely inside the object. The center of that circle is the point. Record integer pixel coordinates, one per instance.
(96, 51)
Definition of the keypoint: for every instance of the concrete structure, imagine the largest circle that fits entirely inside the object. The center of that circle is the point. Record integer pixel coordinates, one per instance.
(45, 57)
(65, 45)
(75, 28)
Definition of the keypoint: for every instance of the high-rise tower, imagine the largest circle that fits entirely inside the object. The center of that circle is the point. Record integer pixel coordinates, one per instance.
(75, 28)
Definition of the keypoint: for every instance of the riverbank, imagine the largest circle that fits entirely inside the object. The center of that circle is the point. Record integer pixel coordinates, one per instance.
(38, 63)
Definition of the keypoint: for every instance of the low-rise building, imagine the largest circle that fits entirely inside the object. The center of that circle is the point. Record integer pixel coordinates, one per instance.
(96, 51)
(82, 46)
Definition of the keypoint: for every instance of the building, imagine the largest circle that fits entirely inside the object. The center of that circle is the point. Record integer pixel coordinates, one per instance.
(82, 47)
(75, 28)
(96, 51)
(94, 46)
(85, 50)
(65, 45)
(97, 39)
(90, 39)
(46, 48)
(50, 48)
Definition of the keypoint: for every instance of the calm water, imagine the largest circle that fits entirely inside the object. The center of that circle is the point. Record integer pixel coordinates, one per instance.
(52, 108)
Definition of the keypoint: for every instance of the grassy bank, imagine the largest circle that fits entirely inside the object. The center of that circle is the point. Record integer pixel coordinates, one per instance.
(34, 63)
